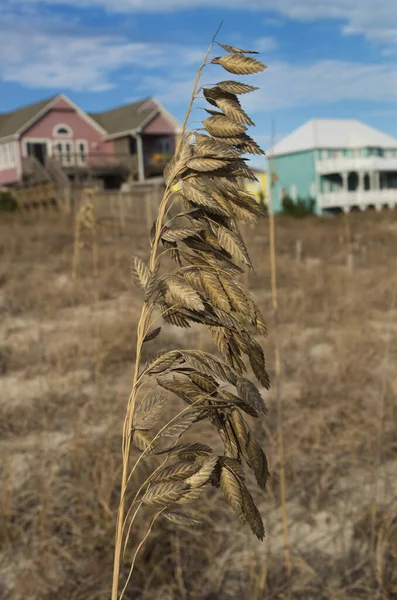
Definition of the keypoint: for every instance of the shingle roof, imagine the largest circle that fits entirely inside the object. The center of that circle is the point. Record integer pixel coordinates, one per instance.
(12, 122)
(116, 120)
(333, 134)
(124, 118)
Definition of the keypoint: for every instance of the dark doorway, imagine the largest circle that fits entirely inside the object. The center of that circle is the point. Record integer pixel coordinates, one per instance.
(352, 182)
(38, 150)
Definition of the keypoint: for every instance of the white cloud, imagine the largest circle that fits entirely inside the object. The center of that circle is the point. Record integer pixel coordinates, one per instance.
(285, 85)
(273, 21)
(79, 62)
(376, 20)
(63, 59)
(265, 44)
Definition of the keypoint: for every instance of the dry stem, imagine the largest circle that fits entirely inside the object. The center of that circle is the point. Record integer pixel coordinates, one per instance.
(142, 328)
(273, 271)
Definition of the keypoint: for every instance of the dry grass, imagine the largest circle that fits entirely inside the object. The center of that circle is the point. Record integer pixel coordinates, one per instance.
(203, 243)
(64, 381)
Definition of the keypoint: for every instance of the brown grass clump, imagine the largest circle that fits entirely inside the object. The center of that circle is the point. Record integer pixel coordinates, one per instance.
(203, 240)
(60, 421)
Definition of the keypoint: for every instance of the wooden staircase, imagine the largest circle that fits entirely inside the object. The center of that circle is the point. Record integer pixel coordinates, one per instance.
(43, 186)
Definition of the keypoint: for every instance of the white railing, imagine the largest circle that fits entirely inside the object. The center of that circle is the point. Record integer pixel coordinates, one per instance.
(362, 199)
(342, 164)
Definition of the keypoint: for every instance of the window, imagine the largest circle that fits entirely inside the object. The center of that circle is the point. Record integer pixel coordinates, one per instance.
(7, 156)
(81, 152)
(164, 146)
(63, 151)
(62, 130)
(293, 192)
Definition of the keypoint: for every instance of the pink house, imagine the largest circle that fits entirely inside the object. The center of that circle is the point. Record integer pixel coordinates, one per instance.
(132, 141)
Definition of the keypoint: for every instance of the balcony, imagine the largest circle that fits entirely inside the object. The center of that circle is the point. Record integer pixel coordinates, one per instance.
(155, 163)
(343, 164)
(360, 198)
(100, 163)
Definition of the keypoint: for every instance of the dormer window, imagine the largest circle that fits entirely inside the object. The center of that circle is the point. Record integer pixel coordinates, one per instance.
(62, 130)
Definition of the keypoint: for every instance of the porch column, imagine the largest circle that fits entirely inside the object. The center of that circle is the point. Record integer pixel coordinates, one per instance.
(361, 181)
(377, 180)
(345, 177)
(141, 164)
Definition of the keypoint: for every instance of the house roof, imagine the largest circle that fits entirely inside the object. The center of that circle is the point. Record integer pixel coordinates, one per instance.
(125, 118)
(12, 122)
(114, 121)
(333, 134)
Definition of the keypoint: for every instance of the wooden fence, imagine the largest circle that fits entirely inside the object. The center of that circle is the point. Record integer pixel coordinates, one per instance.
(139, 204)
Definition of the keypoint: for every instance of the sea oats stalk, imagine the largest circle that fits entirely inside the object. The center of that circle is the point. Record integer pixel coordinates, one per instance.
(203, 187)
(85, 222)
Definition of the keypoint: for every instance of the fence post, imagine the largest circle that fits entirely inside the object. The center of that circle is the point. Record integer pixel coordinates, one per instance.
(298, 250)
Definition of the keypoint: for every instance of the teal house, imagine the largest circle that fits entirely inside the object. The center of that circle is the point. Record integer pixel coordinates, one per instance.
(342, 164)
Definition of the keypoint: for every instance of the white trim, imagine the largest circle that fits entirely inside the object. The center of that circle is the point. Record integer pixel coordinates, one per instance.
(119, 134)
(64, 154)
(170, 116)
(8, 159)
(37, 116)
(84, 115)
(27, 141)
(160, 110)
(8, 138)
(81, 160)
(50, 105)
(141, 167)
(69, 130)
(148, 120)
(18, 158)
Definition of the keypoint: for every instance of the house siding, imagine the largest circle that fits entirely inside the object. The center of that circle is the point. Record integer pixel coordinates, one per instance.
(9, 170)
(8, 176)
(295, 172)
(159, 125)
(122, 145)
(65, 114)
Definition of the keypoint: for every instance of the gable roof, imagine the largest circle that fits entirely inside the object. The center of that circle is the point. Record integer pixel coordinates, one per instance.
(111, 122)
(125, 118)
(132, 117)
(12, 122)
(333, 134)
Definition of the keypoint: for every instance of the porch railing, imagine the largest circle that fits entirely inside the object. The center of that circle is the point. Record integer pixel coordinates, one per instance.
(363, 198)
(97, 161)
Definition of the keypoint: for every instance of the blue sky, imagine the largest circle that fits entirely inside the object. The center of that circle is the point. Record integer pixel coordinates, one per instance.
(325, 59)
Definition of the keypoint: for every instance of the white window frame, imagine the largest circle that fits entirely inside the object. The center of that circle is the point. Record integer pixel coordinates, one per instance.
(162, 143)
(27, 141)
(293, 192)
(81, 159)
(69, 130)
(8, 159)
(67, 159)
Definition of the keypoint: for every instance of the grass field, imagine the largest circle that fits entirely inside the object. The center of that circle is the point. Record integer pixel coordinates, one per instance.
(66, 356)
